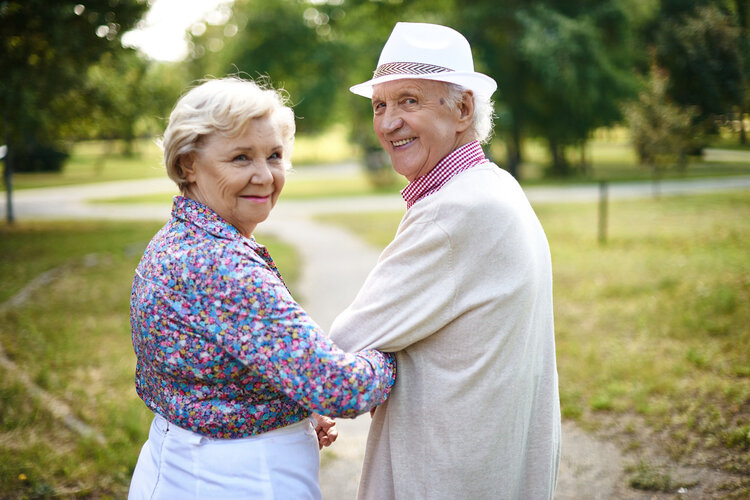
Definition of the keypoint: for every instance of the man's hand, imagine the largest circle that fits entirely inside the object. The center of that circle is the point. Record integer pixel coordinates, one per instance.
(326, 430)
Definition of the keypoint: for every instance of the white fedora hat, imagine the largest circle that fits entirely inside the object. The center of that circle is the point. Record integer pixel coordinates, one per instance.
(428, 52)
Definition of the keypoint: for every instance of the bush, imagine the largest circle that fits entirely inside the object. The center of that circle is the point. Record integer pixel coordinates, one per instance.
(37, 157)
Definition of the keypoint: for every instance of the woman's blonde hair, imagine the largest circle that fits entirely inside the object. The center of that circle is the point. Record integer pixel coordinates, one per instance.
(224, 106)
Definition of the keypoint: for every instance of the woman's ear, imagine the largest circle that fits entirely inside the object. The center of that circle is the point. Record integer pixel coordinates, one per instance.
(466, 110)
(186, 163)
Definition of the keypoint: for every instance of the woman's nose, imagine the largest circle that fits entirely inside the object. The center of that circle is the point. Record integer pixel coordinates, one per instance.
(261, 174)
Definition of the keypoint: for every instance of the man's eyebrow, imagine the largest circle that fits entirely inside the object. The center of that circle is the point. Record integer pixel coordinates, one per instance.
(408, 91)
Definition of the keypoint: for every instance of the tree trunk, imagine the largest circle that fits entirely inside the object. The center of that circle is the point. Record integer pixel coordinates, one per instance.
(8, 171)
(513, 152)
(584, 161)
(559, 163)
(8, 177)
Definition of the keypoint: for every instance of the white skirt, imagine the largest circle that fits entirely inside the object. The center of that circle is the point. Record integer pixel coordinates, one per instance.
(179, 464)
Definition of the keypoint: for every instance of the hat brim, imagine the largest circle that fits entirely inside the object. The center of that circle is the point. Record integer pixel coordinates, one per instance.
(480, 84)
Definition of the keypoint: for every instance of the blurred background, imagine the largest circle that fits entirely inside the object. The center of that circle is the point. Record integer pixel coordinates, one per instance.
(652, 291)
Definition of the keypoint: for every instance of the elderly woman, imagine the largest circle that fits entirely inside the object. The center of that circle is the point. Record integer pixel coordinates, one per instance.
(229, 363)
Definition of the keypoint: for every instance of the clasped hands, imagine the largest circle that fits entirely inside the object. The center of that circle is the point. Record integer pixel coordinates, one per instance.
(325, 428)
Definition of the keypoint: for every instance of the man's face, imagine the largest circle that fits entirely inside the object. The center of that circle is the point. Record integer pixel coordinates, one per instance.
(415, 124)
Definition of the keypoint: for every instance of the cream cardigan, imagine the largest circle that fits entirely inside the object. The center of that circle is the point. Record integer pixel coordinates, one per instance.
(463, 296)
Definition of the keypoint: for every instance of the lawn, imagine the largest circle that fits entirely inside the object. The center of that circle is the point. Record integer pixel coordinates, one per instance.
(609, 153)
(652, 336)
(653, 327)
(103, 161)
(71, 336)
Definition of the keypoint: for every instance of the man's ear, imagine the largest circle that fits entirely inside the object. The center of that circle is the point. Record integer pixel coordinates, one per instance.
(466, 110)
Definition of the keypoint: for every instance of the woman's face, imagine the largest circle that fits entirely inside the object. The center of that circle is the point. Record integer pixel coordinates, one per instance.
(239, 178)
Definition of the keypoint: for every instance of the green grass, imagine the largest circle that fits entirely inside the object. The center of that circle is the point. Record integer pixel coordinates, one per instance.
(610, 156)
(652, 337)
(653, 327)
(72, 338)
(297, 187)
(103, 161)
(608, 152)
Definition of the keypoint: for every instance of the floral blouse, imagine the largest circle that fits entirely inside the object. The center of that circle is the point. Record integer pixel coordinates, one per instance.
(223, 349)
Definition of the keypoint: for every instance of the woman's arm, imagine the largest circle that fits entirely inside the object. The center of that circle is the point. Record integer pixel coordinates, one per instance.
(259, 323)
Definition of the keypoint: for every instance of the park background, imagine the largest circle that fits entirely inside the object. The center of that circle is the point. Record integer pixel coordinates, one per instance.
(652, 294)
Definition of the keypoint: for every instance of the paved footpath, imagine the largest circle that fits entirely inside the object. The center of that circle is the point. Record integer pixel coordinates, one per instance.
(335, 265)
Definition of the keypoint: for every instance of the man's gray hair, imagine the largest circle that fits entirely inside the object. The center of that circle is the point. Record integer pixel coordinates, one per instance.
(484, 111)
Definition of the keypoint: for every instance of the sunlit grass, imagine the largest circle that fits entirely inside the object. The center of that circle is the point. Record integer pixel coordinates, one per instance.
(653, 327)
(103, 161)
(298, 186)
(652, 330)
(608, 153)
(72, 338)
(329, 147)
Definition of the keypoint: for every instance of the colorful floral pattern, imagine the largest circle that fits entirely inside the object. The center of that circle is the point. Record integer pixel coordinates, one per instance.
(222, 347)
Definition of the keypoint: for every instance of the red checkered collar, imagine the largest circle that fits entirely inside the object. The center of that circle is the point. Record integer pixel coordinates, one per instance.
(462, 158)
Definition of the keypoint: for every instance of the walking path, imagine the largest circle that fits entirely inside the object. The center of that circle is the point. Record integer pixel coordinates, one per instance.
(335, 265)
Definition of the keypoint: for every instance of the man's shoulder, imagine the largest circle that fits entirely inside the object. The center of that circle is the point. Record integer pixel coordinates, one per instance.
(481, 189)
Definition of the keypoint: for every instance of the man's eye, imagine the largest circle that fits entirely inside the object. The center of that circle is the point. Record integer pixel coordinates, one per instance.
(240, 158)
(378, 105)
(275, 156)
(410, 100)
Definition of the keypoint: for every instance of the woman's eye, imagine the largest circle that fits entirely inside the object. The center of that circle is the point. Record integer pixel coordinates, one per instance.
(275, 156)
(240, 158)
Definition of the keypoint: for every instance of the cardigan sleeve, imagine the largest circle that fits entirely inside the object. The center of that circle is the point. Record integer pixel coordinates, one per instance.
(409, 295)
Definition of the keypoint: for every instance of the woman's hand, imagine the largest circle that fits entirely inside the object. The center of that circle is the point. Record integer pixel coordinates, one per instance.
(325, 429)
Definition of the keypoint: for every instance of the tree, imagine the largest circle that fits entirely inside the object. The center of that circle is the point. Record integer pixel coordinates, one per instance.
(45, 48)
(662, 132)
(700, 46)
(576, 83)
(561, 67)
(125, 96)
(288, 41)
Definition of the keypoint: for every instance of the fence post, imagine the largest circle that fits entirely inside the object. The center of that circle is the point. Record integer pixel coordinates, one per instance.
(603, 195)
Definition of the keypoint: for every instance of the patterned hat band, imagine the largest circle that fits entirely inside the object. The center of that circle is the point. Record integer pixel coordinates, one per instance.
(408, 68)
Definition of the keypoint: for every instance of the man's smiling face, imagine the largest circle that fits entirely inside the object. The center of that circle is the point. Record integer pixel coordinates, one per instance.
(415, 124)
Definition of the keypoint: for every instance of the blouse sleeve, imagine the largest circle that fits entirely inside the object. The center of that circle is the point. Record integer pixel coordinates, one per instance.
(258, 322)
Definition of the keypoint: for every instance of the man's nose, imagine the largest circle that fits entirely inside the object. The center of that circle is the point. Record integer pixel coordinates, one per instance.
(391, 121)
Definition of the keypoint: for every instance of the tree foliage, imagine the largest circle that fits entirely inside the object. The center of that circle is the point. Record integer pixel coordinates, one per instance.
(561, 67)
(126, 97)
(46, 47)
(700, 49)
(575, 78)
(663, 132)
(287, 41)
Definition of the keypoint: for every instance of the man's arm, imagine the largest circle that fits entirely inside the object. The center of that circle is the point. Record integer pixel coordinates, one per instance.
(409, 295)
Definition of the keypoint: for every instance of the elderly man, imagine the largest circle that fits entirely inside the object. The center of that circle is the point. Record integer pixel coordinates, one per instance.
(462, 295)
